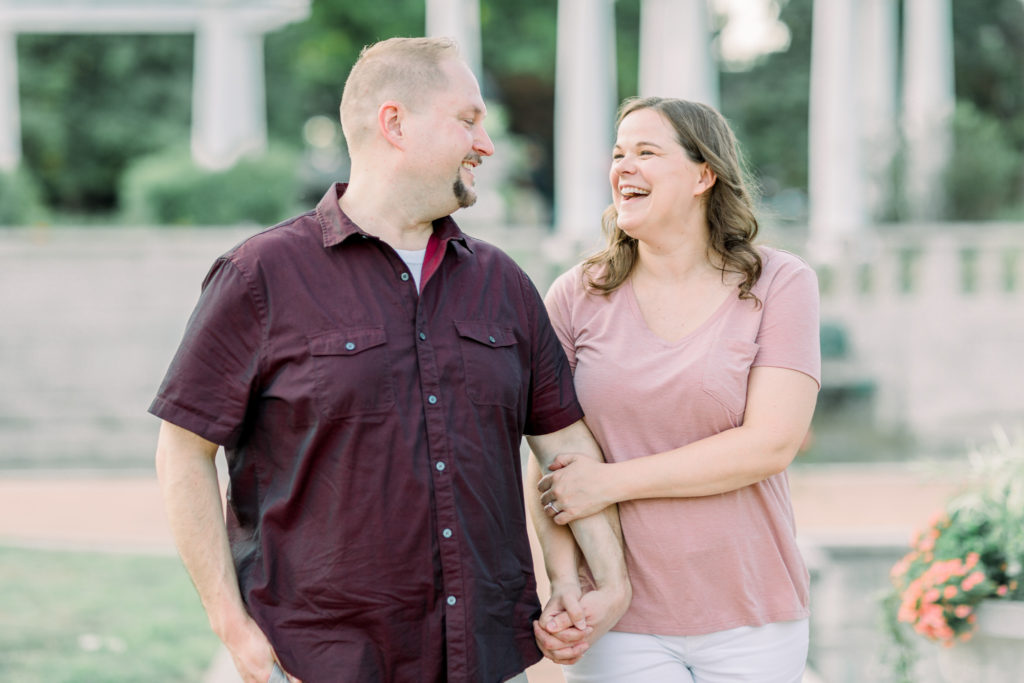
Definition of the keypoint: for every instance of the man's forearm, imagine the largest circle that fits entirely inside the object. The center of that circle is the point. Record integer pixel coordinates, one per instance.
(557, 543)
(191, 494)
(599, 536)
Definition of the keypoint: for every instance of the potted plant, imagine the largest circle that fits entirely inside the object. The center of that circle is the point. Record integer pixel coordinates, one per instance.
(961, 585)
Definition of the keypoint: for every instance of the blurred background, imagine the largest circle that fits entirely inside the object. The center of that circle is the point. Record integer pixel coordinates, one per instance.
(141, 139)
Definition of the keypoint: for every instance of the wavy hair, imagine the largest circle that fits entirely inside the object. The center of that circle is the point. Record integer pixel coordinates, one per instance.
(728, 205)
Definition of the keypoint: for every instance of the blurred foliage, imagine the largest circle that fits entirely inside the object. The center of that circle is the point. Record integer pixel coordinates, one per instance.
(20, 203)
(984, 177)
(167, 188)
(767, 106)
(92, 104)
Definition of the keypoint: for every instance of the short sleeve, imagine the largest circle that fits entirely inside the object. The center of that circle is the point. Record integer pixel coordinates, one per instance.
(552, 402)
(559, 306)
(207, 388)
(789, 332)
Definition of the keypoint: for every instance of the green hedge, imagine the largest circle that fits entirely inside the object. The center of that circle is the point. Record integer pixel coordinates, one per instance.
(20, 202)
(169, 189)
(983, 178)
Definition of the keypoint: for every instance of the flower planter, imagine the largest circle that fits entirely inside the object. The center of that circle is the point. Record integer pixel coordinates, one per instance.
(996, 652)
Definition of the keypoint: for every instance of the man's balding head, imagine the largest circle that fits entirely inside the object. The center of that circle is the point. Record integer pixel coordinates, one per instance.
(405, 70)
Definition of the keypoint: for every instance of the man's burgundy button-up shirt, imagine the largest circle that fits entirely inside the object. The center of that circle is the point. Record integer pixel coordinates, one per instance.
(373, 443)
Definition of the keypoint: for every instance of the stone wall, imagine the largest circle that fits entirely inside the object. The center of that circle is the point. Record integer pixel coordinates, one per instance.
(934, 316)
(89, 320)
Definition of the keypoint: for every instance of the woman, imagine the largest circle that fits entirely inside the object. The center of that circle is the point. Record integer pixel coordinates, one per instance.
(696, 361)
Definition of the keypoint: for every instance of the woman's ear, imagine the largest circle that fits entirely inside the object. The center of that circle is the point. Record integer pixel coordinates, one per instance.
(707, 179)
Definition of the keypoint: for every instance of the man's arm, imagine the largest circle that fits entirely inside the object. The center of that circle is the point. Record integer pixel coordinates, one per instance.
(598, 538)
(186, 469)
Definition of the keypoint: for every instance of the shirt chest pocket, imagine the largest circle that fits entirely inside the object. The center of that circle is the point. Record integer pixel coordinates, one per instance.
(490, 358)
(352, 372)
(726, 372)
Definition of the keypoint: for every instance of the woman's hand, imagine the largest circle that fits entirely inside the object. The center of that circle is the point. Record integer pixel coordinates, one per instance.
(577, 487)
(562, 627)
(563, 641)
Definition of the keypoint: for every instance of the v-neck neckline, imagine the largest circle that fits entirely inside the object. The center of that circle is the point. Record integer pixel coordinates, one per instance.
(634, 306)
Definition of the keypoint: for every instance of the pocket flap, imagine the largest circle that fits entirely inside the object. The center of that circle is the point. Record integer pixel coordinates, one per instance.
(487, 333)
(346, 342)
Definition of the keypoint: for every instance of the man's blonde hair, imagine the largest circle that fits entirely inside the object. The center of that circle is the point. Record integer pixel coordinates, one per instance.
(401, 69)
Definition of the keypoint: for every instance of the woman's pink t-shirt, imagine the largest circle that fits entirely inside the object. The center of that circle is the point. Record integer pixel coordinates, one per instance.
(697, 565)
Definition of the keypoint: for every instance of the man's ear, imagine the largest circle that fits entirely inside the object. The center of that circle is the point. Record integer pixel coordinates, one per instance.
(390, 120)
(707, 180)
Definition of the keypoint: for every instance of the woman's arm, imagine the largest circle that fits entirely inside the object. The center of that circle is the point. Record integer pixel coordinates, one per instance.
(780, 404)
(597, 538)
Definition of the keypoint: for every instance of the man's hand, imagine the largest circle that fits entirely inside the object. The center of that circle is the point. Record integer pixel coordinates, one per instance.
(563, 641)
(562, 626)
(252, 653)
(577, 487)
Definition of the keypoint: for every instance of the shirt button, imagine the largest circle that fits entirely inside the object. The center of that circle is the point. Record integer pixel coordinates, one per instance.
(491, 339)
(350, 346)
(423, 336)
(447, 533)
(451, 600)
(440, 466)
(405, 277)
(431, 399)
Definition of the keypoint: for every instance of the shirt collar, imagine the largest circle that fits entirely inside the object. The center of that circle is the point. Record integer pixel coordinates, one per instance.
(337, 227)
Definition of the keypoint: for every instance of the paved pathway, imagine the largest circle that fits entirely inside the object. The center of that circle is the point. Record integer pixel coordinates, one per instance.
(123, 513)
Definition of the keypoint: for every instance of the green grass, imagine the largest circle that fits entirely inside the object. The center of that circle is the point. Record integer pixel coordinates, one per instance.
(70, 617)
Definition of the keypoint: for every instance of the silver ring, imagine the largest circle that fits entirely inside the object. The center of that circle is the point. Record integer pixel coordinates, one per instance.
(553, 508)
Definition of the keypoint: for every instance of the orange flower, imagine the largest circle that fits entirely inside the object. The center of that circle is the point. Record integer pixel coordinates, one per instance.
(972, 581)
(900, 568)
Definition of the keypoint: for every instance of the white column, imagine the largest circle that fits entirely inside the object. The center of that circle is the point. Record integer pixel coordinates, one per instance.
(928, 103)
(458, 19)
(585, 100)
(10, 122)
(228, 102)
(835, 186)
(675, 51)
(879, 38)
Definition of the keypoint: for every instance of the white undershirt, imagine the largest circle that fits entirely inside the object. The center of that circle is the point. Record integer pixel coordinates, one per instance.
(414, 261)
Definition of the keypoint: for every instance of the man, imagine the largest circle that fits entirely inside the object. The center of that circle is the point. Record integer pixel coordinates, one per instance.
(370, 371)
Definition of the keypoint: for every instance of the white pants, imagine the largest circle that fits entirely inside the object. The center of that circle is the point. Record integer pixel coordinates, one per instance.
(774, 653)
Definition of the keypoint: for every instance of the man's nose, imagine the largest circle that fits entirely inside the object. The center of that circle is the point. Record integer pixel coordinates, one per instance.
(482, 145)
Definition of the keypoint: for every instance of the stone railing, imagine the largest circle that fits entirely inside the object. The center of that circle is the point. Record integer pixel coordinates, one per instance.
(931, 319)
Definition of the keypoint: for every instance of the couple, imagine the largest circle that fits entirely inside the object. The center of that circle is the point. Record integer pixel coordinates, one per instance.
(370, 371)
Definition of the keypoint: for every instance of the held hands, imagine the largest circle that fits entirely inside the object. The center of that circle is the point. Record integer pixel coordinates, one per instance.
(575, 488)
(570, 624)
(562, 627)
